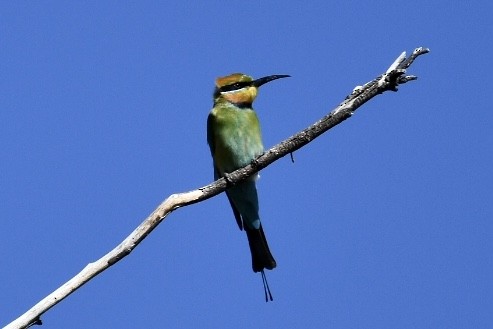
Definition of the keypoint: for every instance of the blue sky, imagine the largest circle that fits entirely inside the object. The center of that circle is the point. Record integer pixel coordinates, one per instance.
(383, 222)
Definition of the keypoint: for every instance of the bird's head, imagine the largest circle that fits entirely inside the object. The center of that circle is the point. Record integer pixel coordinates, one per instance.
(240, 89)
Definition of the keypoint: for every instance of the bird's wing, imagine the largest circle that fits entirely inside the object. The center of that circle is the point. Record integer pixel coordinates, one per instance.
(210, 132)
(239, 221)
(217, 174)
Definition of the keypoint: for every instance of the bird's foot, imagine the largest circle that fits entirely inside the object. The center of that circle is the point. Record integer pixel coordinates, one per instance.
(227, 177)
(255, 163)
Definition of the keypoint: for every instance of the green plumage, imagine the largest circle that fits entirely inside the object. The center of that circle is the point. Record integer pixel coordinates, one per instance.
(234, 138)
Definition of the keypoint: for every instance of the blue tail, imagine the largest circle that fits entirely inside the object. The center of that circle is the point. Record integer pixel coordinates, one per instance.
(244, 201)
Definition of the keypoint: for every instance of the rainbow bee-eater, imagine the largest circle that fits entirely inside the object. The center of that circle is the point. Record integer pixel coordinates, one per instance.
(233, 135)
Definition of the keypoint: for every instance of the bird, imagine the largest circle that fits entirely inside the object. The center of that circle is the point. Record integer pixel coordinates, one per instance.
(234, 138)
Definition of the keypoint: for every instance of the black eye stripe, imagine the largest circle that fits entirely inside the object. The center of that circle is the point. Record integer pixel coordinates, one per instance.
(235, 86)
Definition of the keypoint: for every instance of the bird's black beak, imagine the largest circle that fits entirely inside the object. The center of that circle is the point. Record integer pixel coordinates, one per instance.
(257, 83)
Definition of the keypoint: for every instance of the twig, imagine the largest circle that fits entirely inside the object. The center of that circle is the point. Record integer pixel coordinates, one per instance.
(390, 80)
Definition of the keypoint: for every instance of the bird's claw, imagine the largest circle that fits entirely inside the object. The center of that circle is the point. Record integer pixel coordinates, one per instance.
(254, 163)
(228, 179)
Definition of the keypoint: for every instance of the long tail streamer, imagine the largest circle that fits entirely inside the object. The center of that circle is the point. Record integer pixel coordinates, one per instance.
(268, 295)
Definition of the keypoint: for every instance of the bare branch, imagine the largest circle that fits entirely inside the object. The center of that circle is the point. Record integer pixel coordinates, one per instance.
(390, 80)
